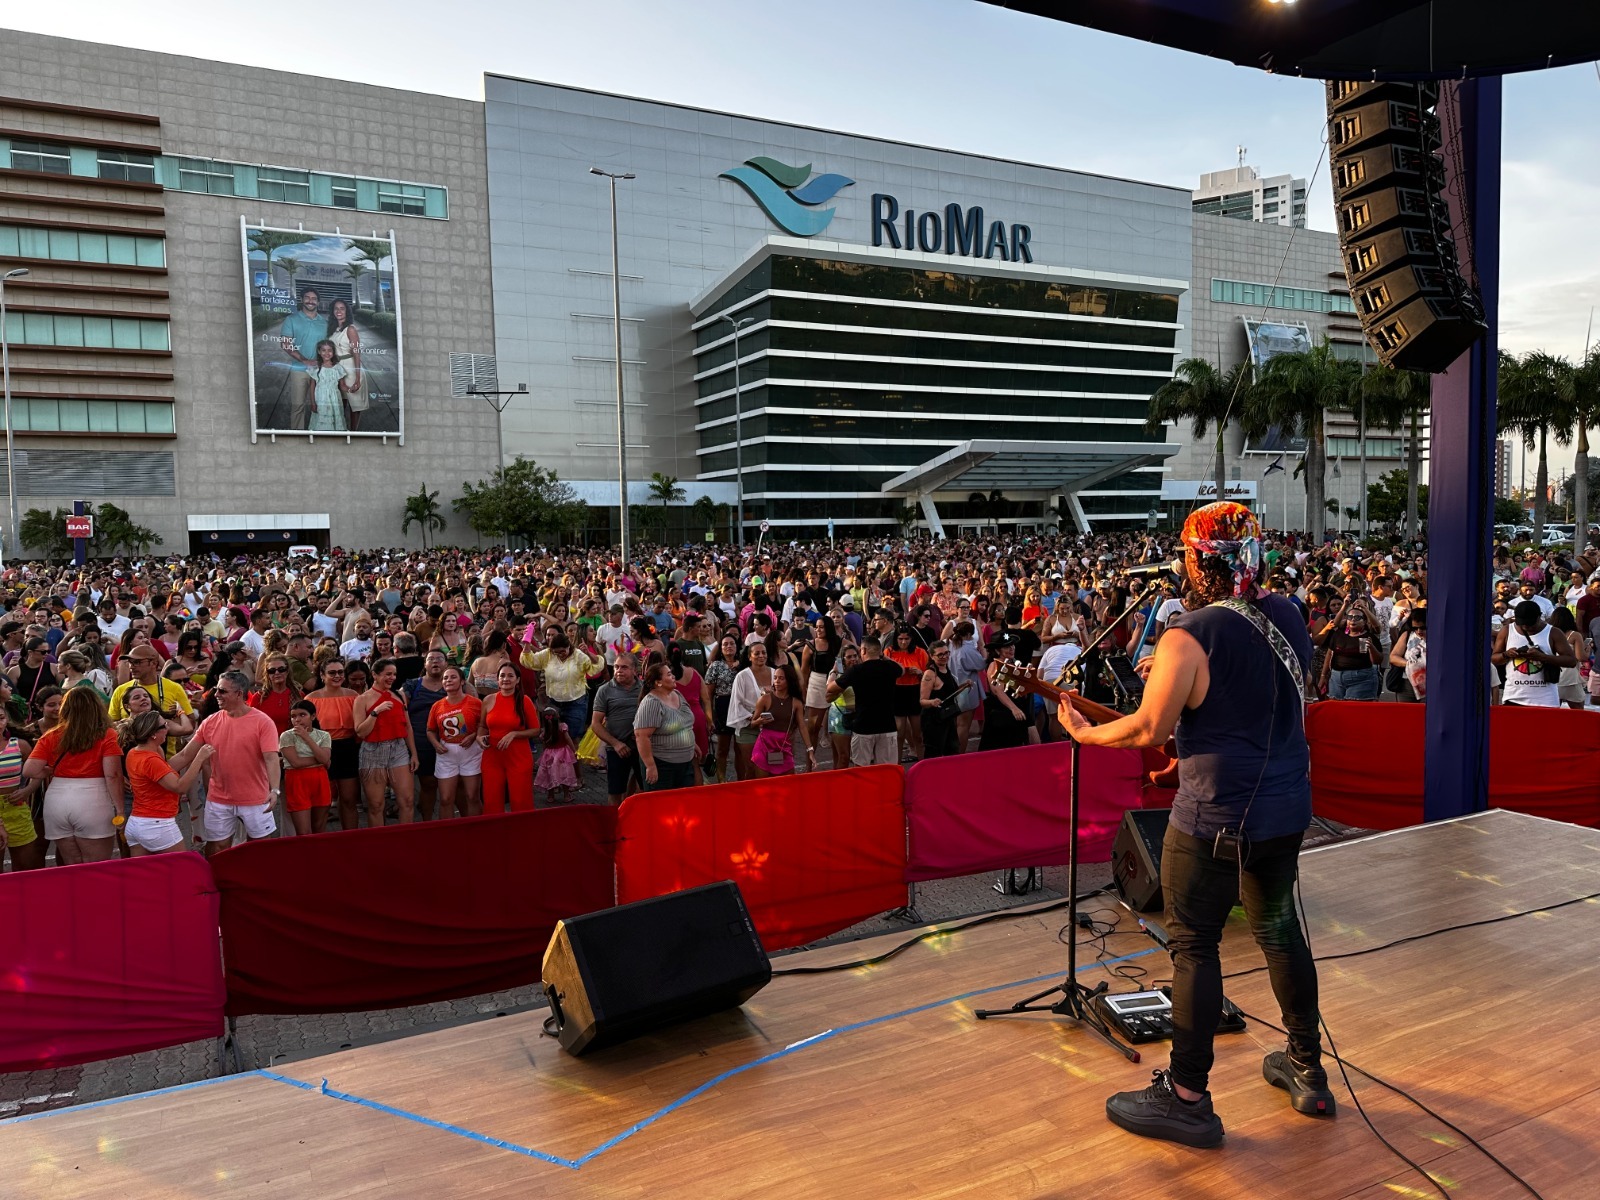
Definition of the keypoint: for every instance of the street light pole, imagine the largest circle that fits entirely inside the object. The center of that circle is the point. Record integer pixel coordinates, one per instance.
(15, 538)
(616, 316)
(738, 421)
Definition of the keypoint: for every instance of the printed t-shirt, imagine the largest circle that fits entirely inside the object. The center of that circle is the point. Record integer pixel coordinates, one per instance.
(455, 722)
(238, 772)
(146, 770)
(83, 765)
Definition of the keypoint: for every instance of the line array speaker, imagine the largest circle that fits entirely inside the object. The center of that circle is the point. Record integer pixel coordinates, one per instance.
(1417, 309)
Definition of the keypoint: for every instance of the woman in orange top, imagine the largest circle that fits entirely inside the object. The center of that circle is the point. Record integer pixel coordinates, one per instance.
(335, 712)
(453, 730)
(913, 661)
(509, 722)
(153, 827)
(81, 764)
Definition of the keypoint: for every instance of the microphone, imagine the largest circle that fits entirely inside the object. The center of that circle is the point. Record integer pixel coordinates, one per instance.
(1175, 566)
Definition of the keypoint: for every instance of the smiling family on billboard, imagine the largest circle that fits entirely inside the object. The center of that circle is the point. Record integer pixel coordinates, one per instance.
(324, 312)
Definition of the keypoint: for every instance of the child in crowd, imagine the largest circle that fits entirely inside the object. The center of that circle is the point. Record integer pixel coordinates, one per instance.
(558, 764)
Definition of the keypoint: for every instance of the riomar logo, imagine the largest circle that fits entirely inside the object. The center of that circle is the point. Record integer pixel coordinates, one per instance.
(777, 188)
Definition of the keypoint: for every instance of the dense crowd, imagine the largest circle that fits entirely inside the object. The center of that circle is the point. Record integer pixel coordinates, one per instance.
(143, 696)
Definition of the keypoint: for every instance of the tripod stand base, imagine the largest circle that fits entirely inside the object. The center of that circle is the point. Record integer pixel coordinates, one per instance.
(1076, 1004)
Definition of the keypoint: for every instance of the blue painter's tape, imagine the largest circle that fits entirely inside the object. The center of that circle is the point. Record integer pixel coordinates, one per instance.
(166, 1091)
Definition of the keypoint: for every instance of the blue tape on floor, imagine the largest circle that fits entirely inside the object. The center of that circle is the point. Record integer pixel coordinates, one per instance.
(610, 1143)
(77, 1108)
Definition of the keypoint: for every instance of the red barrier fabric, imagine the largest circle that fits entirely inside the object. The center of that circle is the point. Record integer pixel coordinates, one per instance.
(1545, 762)
(1366, 762)
(107, 958)
(812, 854)
(408, 914)
(1008, 808)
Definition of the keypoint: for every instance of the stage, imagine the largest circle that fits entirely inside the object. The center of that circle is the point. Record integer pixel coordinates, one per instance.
(878, 1082)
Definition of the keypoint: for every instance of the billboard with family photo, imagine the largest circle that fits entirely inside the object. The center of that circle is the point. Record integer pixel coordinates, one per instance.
(324, 317)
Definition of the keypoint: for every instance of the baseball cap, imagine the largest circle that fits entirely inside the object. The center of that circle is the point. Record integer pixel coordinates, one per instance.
(847, 601)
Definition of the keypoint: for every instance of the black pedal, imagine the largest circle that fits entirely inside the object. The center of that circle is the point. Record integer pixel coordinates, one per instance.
(1138, 1016)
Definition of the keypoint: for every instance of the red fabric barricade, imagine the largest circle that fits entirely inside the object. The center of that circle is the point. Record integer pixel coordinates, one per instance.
(1545, 762)
(1008, 808)
(379, 918)
(812, 854)
(1366, 762)
(106, 959)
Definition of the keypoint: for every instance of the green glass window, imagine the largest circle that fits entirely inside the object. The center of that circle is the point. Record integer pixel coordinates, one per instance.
(344, 191)
(289, 187)
(126, 166)
(50, 157)
(73, 330)
(203, 175)
(73, 415)
(77, 245)
(406, 198)
(1262, 295)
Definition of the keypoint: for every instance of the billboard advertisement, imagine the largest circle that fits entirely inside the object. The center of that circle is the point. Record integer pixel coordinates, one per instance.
(1267, 340)
(324, 321)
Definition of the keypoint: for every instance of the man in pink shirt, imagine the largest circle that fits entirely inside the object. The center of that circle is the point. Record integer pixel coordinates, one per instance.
(244, 775)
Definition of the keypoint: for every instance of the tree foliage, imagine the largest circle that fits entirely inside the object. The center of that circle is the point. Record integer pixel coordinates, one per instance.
(1295, 392)
(523, 501)
(665, 489)
(1387, 497)
(1199, 393)
(45, 531)
(423, 509)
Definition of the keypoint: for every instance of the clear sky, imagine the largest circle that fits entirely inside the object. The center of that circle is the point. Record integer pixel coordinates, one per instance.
(950, 73)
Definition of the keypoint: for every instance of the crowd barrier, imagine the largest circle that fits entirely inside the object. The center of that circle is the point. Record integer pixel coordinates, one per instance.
(1007, 808)
(407, 914)
(107, 958)
(1367, 762)
(812, 854)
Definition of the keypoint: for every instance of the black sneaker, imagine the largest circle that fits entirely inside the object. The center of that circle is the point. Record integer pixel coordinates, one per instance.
(1307, 1086)
(1158, 1112)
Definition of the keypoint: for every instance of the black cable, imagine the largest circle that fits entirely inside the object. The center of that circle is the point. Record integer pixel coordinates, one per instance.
(1417, 937)
(936, 931)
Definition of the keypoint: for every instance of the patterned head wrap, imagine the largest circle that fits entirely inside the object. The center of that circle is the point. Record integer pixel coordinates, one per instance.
(1228, 531)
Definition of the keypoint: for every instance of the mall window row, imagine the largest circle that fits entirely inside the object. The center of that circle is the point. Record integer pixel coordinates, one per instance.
(80, 246)
(217, 177)
(91, 416)
(71, 331)
(1264, 295)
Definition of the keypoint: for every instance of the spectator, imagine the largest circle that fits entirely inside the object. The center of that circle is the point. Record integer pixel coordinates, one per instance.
(79, 763)
(615, 705)
(458, 759)
(507, 725)
(243, 788)
(306, 751)
(388, 757)
(152, 828)
(874, 680)
(663, 729)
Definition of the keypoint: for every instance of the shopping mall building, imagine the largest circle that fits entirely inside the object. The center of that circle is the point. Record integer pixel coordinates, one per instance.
(263, 308)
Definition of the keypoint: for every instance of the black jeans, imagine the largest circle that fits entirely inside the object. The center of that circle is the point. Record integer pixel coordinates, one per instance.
(1200, 892)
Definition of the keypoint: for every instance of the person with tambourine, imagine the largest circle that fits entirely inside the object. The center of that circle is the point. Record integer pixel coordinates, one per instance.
(1228, 678)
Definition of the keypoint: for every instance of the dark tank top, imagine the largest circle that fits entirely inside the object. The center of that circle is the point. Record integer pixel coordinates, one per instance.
(1247, 737)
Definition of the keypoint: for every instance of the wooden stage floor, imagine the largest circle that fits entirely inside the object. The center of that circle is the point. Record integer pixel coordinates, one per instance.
(879, 1083)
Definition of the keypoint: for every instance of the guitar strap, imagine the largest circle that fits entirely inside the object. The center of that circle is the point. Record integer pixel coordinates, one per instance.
(1275, 639)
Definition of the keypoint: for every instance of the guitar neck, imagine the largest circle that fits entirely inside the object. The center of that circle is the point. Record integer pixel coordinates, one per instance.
(1027, 679)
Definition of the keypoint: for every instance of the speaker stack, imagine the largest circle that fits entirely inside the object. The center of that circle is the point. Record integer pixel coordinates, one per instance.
(1417, 309)
(1136, 858)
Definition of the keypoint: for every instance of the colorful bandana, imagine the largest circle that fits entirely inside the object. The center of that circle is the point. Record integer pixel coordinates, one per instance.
(1228, 531)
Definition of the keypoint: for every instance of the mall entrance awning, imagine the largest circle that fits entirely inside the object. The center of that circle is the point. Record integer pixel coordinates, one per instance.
(1054, 467)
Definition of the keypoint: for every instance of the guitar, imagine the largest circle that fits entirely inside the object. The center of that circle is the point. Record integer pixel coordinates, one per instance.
(1027, 679)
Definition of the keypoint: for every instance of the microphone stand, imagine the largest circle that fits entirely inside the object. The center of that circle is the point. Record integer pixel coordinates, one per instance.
(1077, 1000)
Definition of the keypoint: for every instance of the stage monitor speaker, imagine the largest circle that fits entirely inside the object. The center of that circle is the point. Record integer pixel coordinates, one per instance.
(1136, 858)
(1395, 233)
(620, 972)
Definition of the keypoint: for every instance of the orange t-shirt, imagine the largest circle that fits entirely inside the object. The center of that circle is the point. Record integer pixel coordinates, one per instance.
(912, 663)
(146, 770)
(83, 765)
(455, 723)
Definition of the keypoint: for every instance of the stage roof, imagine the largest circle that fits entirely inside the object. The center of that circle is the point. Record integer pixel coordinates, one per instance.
(983, 466)
(1352, 39)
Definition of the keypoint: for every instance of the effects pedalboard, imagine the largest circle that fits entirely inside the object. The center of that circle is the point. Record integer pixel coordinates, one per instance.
(1147, 1016)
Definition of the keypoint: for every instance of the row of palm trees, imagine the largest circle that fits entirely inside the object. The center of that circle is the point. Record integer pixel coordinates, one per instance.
(1541, 396)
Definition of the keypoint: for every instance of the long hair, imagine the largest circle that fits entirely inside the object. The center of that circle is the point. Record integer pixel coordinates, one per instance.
(517, 700)
(136, 731)
(84, 720)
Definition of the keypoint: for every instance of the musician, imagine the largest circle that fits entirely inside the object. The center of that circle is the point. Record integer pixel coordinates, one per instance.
(1225, 677)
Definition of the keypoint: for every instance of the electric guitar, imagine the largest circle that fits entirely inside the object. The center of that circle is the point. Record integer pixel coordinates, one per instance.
(1027, 679)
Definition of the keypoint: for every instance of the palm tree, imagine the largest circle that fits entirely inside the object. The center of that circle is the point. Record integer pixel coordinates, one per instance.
(665, 489)
(1294, 392)
(1586, 411)
(423, 509)
(355, 270)
(267, 242)
(374, 252)
(1396, 398)
(289, 264)
(1206, 396)
(1536, 400)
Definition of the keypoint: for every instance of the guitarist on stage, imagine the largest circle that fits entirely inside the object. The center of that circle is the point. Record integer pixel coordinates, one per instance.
(1228, 678)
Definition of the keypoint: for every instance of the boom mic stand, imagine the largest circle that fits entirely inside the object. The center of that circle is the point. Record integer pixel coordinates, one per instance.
(1077, 1000)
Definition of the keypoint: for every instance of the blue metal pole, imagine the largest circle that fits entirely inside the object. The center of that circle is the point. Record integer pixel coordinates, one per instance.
(1461, 489)
(80, 546)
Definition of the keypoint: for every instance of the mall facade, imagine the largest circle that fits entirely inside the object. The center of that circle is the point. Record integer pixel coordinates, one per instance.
(868, 334)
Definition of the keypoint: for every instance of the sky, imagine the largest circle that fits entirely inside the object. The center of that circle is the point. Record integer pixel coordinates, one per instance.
(957, 74)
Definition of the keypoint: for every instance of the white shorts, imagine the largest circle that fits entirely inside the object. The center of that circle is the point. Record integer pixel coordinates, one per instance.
(257, 820)
(154, 834)
(459, 760)
(77, 808)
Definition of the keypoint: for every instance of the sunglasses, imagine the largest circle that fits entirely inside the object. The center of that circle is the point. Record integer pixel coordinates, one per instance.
(277, 670)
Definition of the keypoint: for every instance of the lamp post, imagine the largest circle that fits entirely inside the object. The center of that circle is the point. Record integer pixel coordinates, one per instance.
(15, 539)
(616, 315)
(738, 421)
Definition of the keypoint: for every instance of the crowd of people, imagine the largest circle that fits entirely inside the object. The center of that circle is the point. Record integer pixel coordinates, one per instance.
(158, 705)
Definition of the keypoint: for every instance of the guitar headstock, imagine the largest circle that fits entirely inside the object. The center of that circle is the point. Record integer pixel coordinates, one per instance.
(1012, 674)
